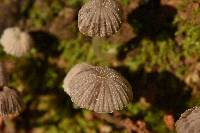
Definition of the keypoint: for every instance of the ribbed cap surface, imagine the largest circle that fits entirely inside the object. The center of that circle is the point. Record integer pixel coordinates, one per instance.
(100, 18)
(10, 102)
(16, 42)
(97, 88)
(189, 122)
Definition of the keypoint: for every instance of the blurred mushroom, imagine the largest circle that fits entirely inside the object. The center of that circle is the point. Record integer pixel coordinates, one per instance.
(189, 122)
(11, 103)
(97, 88)
(60, 28)
(16, 42)
(100, 18)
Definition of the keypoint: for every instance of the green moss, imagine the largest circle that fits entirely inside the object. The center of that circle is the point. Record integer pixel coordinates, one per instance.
(73, 51)
(155, 121)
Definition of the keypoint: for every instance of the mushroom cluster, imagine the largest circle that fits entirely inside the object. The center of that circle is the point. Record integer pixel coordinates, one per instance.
(11, 103)
(97, 88)
(16, 42)
(100, 18)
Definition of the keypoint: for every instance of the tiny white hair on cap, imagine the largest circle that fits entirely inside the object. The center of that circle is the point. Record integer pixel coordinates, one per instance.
(97, 88)
(101, 18)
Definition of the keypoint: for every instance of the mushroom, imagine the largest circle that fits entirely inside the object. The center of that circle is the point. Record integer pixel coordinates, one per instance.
(97, 88)
(11, 103)
(100, 18)
(16, 42)
(189, 122)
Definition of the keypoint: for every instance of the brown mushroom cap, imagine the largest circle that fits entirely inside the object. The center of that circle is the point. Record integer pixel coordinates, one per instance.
(97, 88)
(100, 18)
(189, 122)
(10, 102)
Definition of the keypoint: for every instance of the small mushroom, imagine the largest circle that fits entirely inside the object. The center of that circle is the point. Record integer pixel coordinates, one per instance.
(11, 103)
(189, 122)
(100, 18)
(16, 42)
(97, 88)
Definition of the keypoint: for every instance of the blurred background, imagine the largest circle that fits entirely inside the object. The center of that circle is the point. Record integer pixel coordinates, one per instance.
(157, 50)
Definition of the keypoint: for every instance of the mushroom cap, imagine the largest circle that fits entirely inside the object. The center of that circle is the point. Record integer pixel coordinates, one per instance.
(100, 18)
(10, 102)
(3, 76)
(16, 42)
(189, 122)
(97, 88)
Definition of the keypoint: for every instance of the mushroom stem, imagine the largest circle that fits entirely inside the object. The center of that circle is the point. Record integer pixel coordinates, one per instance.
(96, 42)
(3, 76)
(1, 122)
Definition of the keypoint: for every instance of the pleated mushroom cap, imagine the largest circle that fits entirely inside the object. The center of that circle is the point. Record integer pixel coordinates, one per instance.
(100, 18)
(16, 42)
(97, 88)
(10, 102)
(189, 122)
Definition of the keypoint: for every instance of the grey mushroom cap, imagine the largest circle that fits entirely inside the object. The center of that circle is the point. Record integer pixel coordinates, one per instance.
(189, 122)
(10, 102)
(97, 88)
(100, 18)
